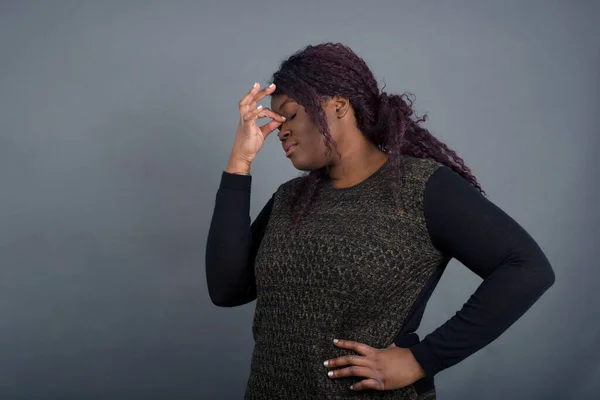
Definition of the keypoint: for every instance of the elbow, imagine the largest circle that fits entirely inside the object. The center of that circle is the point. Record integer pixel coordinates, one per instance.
(545, 271)
(534, 274)
(229, 302)
(221, 302)
(220, 298)
(228, 287)
(547, 277)
(227, 299)
(544, 275)
(217, 285)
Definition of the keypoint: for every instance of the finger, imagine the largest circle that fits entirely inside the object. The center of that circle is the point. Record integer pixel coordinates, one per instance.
(355, 370)
(247, 108)
(266, 112)
(255, 95)
(360, 348)
(250, 95)
(269, 127)
(372, 384)
(347, 360)
(265, 92)
(261, 112)
(252, 114)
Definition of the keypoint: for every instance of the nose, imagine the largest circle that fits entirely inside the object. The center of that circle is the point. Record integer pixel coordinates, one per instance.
(283, 135)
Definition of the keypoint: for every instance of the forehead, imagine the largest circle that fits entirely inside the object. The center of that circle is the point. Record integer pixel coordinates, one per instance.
(280, 100)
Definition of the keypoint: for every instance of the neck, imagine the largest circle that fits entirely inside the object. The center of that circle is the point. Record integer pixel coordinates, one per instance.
(358, 162)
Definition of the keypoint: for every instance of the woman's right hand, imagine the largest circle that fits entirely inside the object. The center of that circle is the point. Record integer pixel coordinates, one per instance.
(250, 137)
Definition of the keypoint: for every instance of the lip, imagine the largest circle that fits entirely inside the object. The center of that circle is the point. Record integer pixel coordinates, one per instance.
(289, 148)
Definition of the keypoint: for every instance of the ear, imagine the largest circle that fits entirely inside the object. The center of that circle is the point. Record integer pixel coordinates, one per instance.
(342, 106)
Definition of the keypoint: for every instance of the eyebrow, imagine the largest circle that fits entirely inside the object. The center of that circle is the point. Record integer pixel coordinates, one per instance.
(285, 102)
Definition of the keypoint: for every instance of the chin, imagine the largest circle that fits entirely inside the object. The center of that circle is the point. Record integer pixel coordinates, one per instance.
(306, 166)
(301, 167)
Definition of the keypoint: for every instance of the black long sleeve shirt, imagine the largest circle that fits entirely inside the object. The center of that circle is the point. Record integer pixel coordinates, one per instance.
(461, 222)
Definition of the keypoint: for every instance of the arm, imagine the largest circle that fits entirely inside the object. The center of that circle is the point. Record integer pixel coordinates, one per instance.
(233, 242)
(465, 225)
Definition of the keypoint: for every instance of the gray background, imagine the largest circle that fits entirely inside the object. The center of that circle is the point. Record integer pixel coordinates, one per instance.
(117, 118)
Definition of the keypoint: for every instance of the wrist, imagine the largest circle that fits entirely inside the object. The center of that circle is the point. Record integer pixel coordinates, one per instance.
(417, 368)
(425, 358)
(236, 166)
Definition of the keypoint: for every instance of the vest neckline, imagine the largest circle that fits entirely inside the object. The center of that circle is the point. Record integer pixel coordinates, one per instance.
(360, 184)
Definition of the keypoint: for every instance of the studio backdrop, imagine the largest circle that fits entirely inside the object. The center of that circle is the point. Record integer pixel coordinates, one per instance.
(117, 119)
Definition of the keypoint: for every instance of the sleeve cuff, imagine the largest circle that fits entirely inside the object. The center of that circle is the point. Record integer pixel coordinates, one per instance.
(236, 182)
(428, 362)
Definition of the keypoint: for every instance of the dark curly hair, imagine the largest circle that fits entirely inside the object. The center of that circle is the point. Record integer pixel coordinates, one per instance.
(322, 71)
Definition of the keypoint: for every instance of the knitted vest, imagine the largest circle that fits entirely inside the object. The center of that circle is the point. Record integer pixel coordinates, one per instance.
(353, 272)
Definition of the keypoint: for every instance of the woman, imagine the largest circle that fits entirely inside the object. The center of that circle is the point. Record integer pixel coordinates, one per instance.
(343, 260)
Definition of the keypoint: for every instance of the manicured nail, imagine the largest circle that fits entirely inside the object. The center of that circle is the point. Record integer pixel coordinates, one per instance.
(255, 84)
(335, 341)
(330, 374)
(284, 118)
(326, 363)
(272, 85)
(259, 107)
(352, 387)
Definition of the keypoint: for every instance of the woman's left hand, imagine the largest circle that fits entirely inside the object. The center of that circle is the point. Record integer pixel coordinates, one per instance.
(384, 369)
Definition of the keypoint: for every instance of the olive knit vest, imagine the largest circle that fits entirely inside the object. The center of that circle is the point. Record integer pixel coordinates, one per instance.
(353, 271)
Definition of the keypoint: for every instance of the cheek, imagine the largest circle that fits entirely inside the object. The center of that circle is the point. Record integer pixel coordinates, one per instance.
(312, 141)
(316, 143)
(310, 133)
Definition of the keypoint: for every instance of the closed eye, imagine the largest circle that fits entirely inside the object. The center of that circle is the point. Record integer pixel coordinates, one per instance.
(287, 119)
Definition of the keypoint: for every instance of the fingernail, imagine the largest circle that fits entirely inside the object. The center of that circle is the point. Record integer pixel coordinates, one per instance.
(272, 85)
(326, 363)
(259, 107)
(352, 387)
(335, 341)
(330, 374)
(284, 118)
(255, 84)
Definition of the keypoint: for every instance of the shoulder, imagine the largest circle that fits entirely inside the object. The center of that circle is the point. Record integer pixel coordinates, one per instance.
(417, 171)
(428, 179)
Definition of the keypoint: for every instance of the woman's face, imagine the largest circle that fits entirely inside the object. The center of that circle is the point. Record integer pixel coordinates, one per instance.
(309, 150)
